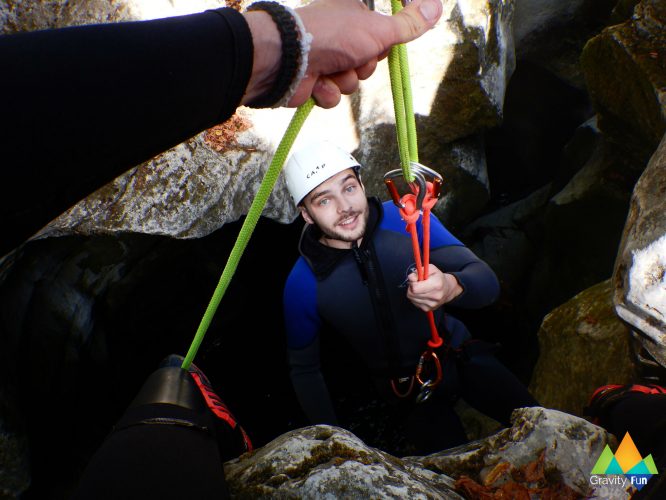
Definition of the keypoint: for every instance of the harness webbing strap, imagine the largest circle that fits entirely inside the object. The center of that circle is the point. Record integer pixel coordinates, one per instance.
(249, 224)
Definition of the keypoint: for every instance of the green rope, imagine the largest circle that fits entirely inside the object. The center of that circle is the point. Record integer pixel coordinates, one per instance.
(249, 224)
(409, 106)
(401, 89)
(399, 109)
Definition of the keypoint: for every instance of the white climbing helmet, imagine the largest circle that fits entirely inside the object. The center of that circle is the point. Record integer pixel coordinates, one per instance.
(313, 164)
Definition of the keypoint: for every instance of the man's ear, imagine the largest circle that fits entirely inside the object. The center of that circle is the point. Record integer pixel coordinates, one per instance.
(305, 214)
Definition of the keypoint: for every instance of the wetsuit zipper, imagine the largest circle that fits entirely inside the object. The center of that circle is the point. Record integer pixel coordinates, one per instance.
(372, 278)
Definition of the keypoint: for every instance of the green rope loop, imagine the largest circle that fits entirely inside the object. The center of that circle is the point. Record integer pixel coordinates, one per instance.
(249, 224)
(401, 89)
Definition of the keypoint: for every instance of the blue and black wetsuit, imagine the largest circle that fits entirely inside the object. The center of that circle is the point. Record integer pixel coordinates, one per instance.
(360, 294)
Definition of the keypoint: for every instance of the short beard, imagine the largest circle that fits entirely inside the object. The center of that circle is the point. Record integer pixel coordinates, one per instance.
(349, 238)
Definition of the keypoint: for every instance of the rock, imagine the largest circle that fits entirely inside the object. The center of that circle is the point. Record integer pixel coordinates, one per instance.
(552, 34)
(470, 97)
(623, 11)
(36, 15)
(639, 278)
(42, 14)
(462, 164)
(541, 114)
(571, 446)
(459, 72)
(626, 78)
(583, 346)
(502, 239)
(587, 139)
(186, 192)
(329, 462)
(582, 228)
(466, 189)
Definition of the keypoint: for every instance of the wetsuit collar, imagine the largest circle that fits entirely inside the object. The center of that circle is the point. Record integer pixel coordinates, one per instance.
(322, 259)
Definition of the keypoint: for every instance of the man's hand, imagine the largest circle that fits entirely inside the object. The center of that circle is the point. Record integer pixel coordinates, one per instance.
(432, 293)
(348, 40)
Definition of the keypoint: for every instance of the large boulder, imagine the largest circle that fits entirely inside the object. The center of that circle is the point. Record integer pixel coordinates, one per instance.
(459, 73)
(186, 192)
(503, 240)
(555, 453)
(583, 346)
(329, 462)
(541, 114)
(626, 79)
(640, 272)
(552, 33)
(462, 164)
(582, 228)
(540, 444)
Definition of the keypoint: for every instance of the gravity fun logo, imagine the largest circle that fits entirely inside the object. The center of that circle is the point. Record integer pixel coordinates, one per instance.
(625, 468)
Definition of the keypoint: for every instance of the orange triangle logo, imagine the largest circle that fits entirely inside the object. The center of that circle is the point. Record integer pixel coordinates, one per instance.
(627, 454)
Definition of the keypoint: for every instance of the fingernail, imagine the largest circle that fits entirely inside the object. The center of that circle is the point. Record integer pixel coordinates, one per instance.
(430, 9)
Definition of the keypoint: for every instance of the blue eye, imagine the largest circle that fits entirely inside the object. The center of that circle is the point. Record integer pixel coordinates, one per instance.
(350, 188)
(323, 201)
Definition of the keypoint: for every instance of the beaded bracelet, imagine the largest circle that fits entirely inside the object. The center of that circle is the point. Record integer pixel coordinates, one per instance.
(295, 48)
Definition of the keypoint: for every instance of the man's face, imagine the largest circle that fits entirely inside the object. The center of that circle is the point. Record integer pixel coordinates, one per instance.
(339, 208)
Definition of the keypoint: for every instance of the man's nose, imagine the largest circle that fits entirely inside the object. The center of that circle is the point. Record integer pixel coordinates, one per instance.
(344, 207)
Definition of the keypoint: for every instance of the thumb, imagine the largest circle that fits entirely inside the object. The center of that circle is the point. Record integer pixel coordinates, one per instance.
(415, 19)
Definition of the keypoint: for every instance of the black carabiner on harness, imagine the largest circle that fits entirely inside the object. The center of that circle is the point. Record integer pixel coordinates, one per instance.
(427, 386)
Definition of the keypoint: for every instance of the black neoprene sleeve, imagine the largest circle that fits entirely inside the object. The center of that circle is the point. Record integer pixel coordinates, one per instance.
(309, 384)
(82, 105)
(478, 280)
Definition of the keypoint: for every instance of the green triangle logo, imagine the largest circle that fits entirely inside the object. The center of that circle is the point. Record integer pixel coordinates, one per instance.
(649, 463)
(604, 461)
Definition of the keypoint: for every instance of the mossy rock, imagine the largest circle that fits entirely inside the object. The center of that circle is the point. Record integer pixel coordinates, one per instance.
(583, 346)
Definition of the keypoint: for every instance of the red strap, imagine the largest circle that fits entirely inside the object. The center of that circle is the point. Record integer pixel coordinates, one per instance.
(220, 410)
(410, 214)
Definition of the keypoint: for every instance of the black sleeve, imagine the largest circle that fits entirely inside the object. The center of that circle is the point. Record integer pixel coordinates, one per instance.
(478, 281)
(82, 105)
(310, 386)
